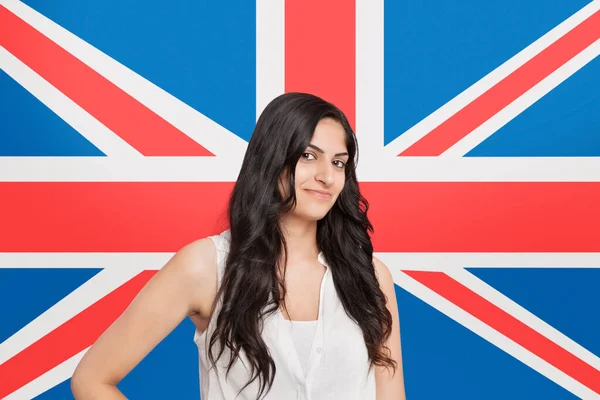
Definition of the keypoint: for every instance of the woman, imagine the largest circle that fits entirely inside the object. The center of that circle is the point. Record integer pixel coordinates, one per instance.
(289, 302)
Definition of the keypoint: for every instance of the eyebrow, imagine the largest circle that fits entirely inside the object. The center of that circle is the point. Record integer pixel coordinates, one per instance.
(323, 152)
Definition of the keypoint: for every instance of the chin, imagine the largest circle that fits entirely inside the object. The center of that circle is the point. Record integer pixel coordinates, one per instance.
(314, 214)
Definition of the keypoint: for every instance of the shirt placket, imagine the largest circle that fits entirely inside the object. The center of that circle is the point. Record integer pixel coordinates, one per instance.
(317, 350)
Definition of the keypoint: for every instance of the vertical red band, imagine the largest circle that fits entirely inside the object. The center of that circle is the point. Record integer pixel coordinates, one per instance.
(320, 51)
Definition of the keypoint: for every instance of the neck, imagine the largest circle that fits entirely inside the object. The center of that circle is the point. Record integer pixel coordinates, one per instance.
(301, 238)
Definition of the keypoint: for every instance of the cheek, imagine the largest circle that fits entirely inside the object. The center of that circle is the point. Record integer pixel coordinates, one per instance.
(338, 193)
(340, 183)
(303, 174)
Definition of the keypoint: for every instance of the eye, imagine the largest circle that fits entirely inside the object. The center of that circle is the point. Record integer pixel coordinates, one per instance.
(307, 156)
(340, 164)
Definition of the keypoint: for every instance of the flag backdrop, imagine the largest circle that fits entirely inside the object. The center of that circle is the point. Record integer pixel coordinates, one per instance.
(122, 129)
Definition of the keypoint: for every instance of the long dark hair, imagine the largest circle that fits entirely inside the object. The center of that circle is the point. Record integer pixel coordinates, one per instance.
(251, 286)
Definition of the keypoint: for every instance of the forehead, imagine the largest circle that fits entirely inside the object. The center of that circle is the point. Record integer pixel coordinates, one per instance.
(330, 136)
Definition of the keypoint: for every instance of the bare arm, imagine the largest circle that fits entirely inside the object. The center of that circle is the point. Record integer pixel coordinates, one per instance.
(186, 285)
(390, 386)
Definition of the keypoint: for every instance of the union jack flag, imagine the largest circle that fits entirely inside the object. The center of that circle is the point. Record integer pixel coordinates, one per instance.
(123, 126)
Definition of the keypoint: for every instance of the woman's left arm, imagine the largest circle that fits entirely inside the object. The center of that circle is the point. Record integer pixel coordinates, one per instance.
(390, 385)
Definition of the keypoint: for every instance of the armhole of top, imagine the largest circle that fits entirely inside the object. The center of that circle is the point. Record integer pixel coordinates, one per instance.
(219, 241)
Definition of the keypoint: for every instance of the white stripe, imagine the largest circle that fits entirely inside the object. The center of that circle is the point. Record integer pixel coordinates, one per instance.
(270, 52)
(405, 261)
(453, 261)
(47, 381)
(139, 261)
(203, 130)
(515, 310)
(443, 113)
(525, 101)
(75, 302)
(147, 169)
(369, 80)
(226, 169)
(491, 335)
(89, 127)
(481, 169)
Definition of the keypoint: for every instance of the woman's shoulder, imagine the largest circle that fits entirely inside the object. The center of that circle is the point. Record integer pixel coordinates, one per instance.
(197, 256)
(202, 255)
(197, 263)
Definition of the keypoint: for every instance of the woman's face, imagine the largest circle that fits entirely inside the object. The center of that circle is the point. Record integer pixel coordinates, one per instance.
(320, 171)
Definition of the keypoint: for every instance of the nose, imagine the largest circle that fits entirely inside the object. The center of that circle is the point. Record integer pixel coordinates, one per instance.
(325, 173)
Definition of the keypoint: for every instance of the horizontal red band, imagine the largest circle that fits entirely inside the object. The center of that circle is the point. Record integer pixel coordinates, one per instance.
(485, 216)
(507, 90)
(407, 216)
(69, 339)
(510, 327)
(320, 51)
(125, 116)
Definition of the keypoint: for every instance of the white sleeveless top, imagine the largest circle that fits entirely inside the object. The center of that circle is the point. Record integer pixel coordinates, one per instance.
(303, 334)
(337, 365)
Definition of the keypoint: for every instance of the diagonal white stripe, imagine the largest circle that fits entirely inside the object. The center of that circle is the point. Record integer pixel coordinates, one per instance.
(525, 101)
(75, 302)
(47, 381)
(203, 130)
(88, 126)
(443, 113)
(491, 335)
(270, 52)
(515, 310)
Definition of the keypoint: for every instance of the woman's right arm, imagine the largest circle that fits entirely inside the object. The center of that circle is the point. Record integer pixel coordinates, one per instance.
(186, 285)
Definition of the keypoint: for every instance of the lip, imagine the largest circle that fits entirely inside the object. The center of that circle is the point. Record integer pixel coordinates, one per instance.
(321, 194)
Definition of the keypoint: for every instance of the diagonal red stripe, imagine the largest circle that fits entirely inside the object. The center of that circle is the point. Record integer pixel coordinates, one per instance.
(70, 338)
(507, 90)
(510, 327)
(132, 121)
(407, 216)
(320, 51)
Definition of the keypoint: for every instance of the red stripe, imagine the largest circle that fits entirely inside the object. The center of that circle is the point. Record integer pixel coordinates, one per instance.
(507, 90)
(320, 51)
(485, 216)
(109, 216)
(408, 216)
(69, 339)
(510, 327)
(135, 123)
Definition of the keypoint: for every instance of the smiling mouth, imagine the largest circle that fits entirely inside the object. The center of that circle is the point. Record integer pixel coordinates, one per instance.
(319, 195)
